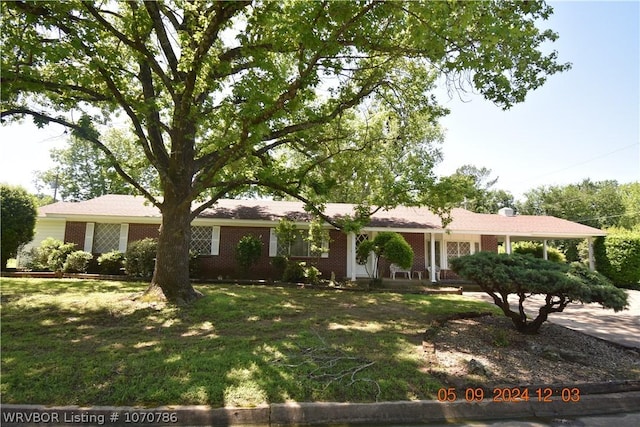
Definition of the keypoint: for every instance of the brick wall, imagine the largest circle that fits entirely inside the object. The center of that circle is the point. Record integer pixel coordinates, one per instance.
(416, 240)
(489, 243)
(74, 232)
(140, 231)
(225, 264)
(337, 260)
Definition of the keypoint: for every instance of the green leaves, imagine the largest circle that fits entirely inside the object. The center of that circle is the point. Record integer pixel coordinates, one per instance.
(246, 77)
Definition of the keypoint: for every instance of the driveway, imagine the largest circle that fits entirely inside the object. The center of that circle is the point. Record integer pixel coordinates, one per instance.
(622, 327)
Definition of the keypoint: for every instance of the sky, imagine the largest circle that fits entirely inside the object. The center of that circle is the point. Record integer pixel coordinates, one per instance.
(584, 123)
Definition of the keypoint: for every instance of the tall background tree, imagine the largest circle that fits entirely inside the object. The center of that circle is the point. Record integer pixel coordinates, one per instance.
(82, 171)
(596, 204)
(18, 220)
(482, 197)
(218, 94)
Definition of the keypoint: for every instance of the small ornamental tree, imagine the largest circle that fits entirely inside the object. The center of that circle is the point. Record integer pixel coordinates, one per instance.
(501, 275)
(388, 245)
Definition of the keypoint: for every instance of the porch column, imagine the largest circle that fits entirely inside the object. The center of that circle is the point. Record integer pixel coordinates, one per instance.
(352, 258)
(545, 255)
(507, 244)
(592, 261)
(432, 262)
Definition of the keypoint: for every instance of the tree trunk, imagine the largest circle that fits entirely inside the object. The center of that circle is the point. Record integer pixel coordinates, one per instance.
(171, 272)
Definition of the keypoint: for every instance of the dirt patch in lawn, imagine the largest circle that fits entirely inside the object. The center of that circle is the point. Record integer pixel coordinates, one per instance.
(487, 351)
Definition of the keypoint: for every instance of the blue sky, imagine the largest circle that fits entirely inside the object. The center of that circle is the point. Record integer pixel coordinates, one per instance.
(584, 123)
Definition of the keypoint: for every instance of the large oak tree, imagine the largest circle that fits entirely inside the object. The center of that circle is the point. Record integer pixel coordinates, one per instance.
(228, 96)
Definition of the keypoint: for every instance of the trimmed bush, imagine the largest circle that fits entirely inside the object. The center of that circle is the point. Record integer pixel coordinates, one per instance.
(500, 275)
(618, 257)
(111, 262)
(51, 255)
(140, 258)
(77, 262)
(537, 250)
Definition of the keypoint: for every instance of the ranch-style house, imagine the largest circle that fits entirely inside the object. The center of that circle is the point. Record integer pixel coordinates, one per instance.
(112, 222)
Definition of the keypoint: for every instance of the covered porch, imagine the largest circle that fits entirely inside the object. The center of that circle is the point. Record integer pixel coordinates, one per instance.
(433, 249)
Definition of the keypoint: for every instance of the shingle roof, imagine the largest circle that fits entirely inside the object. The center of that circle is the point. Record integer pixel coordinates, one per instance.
(400, 217)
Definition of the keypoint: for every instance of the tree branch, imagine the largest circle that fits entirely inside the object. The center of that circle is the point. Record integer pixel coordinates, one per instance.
(135, 45)
(154, 12)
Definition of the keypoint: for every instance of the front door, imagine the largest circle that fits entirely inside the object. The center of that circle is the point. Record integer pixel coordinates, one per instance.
(366, 269)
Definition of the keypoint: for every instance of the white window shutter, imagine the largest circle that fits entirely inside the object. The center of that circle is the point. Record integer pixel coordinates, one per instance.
(88, 237)
(273, 242)
(215, 240)
(124, 237)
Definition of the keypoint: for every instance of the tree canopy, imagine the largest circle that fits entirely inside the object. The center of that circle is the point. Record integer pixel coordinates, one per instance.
(502, 275)
(18, 220)
(220, 95)
(596, 204)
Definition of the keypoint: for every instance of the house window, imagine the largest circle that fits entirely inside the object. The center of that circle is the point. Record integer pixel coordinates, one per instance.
(106, 238)
(201, 239)
(299, 247)
(458, 249)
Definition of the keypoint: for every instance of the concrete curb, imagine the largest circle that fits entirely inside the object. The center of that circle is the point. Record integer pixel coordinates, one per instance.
(307, 413)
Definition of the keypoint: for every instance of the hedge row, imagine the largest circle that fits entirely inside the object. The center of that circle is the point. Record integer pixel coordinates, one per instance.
(618, 257)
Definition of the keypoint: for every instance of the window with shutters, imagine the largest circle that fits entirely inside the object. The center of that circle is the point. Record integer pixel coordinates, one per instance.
(106, 238)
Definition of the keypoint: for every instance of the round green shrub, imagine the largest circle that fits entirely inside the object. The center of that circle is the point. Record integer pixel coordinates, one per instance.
(77, 262)
(111, 262)
(18, 219)
(140, 258)
(51, 255)
(398, 251)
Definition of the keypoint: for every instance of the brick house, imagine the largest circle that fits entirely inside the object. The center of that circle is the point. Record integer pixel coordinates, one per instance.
(112, 222)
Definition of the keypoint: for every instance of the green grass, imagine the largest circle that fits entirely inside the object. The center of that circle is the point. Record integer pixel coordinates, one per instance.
(72, 342)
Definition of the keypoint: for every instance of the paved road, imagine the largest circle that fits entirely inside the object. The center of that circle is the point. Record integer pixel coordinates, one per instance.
(619, 420)
(622, 327)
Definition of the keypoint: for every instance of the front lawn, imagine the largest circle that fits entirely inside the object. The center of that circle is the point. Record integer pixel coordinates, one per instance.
(71, 342)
